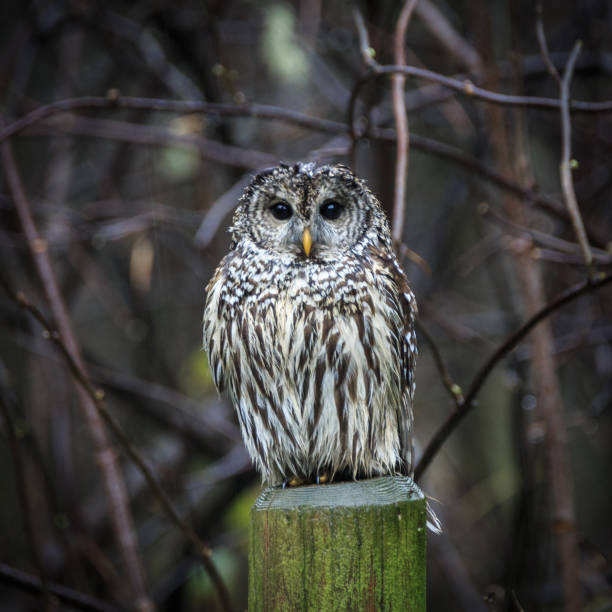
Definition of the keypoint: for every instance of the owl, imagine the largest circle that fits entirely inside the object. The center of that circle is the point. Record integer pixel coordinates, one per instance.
(309, 328)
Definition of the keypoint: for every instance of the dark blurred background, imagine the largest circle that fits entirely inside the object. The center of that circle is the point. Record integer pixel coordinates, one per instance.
(134, 206)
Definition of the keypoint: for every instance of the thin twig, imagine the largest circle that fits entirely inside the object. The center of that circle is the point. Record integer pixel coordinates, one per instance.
(555, 244)
(217, 212)
(97, 397)
(443, 31)
(451, 423)
(414, 257)
(115, 101)
(467, 88)
(567, 183)
(367, 52)
(154, 55)
(454, 390)
(261, 111)
(569, 259)
(189, 417)
(401, 124)
(544, 46)
(156, 135)
(456, 155)
(25, 507)
(75, 599)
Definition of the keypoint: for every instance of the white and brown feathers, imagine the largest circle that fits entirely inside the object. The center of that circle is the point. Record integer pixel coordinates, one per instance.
(308, 326)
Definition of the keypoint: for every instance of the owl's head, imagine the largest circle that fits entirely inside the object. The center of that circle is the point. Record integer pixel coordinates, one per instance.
(313, 212)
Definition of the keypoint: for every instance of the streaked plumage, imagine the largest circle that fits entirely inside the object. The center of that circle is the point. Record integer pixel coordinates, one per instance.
(315, 351)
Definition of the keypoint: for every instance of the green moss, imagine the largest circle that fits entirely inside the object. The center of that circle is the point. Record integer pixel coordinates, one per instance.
(347, 546)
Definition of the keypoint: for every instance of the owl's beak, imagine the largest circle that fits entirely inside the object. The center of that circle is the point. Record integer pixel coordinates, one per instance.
(307, 241)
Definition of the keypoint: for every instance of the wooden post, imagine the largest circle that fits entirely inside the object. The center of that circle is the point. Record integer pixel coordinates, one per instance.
(346, 546)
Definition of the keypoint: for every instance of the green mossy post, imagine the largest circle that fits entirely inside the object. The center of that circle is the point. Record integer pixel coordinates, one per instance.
(346, 546)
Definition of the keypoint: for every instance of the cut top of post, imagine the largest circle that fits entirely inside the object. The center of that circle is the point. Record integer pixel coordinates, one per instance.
(373, 492)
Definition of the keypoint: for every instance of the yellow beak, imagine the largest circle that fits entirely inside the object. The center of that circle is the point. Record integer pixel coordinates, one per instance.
(307, 241)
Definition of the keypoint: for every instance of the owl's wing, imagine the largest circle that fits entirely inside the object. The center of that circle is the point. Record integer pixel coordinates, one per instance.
(408, 352)
(213, 327)
(406, 311)
(408, 307)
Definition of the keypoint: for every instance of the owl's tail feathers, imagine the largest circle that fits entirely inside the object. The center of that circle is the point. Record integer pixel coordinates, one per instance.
(433, 522)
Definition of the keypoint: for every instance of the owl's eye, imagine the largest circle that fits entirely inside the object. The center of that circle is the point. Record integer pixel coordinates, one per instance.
(331, 210)
(281, 211)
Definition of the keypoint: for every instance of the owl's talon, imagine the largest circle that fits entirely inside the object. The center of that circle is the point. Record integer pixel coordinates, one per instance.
(295, 481)
(322, 478)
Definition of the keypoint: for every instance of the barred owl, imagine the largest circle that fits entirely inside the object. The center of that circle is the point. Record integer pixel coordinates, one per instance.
(309, 327)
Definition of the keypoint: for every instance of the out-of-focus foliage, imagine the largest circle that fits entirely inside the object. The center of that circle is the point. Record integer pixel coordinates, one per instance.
(136, 220)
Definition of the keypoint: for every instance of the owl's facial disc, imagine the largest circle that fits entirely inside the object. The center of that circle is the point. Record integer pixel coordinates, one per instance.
(315, 214)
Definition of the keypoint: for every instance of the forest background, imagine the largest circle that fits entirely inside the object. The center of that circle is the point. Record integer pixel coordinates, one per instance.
(128, 131)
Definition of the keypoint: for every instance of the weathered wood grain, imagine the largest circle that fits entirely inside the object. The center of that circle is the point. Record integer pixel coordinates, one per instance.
(346, 546)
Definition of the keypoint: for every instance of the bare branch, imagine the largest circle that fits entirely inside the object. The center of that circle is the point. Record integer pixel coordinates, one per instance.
(153, 53)
(456, 155)
(544, 46)
(296, 118)
(218, 210)
(462, 409)
(414, 257)
(120, 513)
(443, 31)
(561, 247)
(202, 422)
(224, 153)
(401, 124)
(454, 390)
(25, 506)
(97, 397)
(158, 135)
(33, 584)
(567, 183)
(468, 88)
(367, 53)
(115, 101)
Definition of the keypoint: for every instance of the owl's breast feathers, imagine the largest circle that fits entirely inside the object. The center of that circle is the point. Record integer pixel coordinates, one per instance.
(318, 360)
